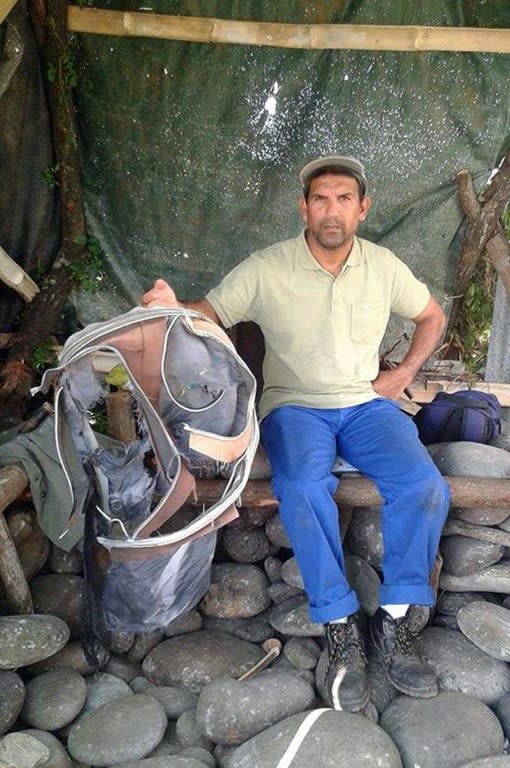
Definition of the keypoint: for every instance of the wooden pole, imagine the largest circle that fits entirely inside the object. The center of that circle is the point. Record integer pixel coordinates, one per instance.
(6, 7)
(13, 481)
(308, 36)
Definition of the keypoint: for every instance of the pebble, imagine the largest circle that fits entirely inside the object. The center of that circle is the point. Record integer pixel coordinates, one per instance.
(60, 594)
(302, 652)
(276, 533)
(12, 697)
(291, 618)
(461, 666)
(442, 732)
(364, 536)
(32, 546)
(247, 546)
(365, 582)
(500, 761)
(481, 515)
(174, 700)
(331, 740)
(173, 761)
(463, 556)
(125, 729)
(466, 459)
(61, 561)
(236, 591)
(101, 689)
(291, 574)
(21, 750)
(53, 699)
(27, 639)
(189, 733)
(488, 627)
(230, 711)
(214, 654)
(496, 578)
(191, 621)
(58, 757)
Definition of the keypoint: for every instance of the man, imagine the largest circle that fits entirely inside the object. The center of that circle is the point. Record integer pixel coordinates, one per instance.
(322, 301)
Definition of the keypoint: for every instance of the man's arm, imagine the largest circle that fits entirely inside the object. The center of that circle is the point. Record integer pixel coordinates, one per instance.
(162, 295)
(430, 325)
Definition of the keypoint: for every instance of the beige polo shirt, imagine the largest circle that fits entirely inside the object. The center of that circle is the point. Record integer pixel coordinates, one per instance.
(322, 333)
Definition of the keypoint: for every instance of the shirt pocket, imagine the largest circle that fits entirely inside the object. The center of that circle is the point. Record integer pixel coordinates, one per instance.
(368, 321)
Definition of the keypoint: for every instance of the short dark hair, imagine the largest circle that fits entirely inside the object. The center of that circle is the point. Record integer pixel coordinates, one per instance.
(335, 170)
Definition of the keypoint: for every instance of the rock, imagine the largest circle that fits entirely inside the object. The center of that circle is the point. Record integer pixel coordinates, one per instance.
(499, 761)
(193, 660)
(121, 667)
(279, 592)
(481, 515)
(364, 581)
(364, 536)
(463, 556)
(329, 739)
(189, 733)
(103, 688)
(60, 594)
(382, 692)
(71, 655)
(126, 729)
(27, 639)
(61, 561)
(20, 750)
(461, 666)
(254, 630)
(231, 711)
(302, 652)
(291, 618)
(191, 621)
(120, 641)
(276, 533)
(143, 643)
(58, 755)
(54, 699)
(488, 627)
(291, 574)
(466, 459)
(502, 709)
(442, 732)
(12, 696)
(201, 755)
(450, 603)
(32, 546)
(173, 761)
(174, 700)
(247, 546)
(273, 568)
(236, 592)
(496, 578)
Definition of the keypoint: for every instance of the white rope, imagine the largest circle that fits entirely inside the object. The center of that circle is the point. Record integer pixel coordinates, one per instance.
(299, 737)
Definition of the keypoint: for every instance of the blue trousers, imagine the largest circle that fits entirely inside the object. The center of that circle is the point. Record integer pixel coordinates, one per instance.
(377, 438)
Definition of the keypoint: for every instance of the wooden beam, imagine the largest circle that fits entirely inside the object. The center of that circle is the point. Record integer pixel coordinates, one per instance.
(15, 277)
(6, 7)
(308, 36)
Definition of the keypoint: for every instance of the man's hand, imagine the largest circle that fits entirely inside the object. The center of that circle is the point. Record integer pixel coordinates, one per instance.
(160, 295)
(391, 383)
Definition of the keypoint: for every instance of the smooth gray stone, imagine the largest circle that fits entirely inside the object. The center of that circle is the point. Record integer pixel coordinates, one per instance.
(364, 581)
(143, 643)
(276, 533)
(232, 711)
(126, 729)
(496, 578)
(174, 700)
(32, 546)
(61, 561)
(291, 618)
(27, 639)
(193, 660)
(54, 699)
(20, 750)
(442, 732)
(382, 692)
(72, 656)
(12, 696)
(121, 667)
(481, 515)
(463, 556)
(291, 574)
(335, 740)
(62, 595)
(200, 754)
(273, 568)
(236, 592)
(499, 761)
(466, 459)
(450, 603)
(488, 627)
(59, 757)
(247, 546)
(302, 652)
(191, 621)
(169, 761)
(189, 733)
(254, 630)
(461, 666)
(364, 536)
(103, 688)
(279, 592)
(505, 524)
(140, 684)
(121, 641)
(502, 710)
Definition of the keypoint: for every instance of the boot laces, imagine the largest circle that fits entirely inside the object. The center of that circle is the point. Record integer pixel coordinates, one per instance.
(345, 647)
(406, 639)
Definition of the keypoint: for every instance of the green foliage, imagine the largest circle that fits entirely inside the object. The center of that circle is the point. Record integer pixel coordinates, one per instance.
(44, 355)
(50, 176)
(90, 270)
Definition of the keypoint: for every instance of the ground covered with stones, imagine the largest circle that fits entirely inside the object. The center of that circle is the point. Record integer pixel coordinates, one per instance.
(173, 697)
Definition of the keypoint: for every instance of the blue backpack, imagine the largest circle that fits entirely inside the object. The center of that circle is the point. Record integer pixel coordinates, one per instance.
(459, 416)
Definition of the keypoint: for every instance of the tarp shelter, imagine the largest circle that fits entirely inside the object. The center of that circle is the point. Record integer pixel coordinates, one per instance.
(190, 151)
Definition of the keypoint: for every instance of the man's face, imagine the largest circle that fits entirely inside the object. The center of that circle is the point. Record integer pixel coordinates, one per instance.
(333, 210)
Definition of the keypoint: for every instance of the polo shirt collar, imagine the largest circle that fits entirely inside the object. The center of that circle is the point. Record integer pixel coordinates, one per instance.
(306, 260)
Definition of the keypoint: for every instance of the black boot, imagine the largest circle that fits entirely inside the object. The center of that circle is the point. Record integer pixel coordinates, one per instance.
(346, 681)
(393, 643)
